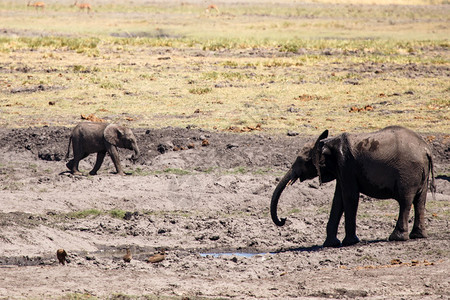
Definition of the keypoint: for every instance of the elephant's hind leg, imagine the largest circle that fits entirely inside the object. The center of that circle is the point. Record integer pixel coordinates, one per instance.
(418, 230)
(400, 232)
(69, 165)
(73, 163)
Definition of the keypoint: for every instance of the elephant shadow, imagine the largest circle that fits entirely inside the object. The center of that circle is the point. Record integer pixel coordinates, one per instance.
(443, 177)
(69, 173)
(316, 248)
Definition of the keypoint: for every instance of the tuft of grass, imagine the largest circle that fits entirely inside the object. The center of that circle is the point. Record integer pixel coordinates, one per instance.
(79, 45)
(294, 211)
(238, 170)
(140, 172)
(173, 171)
(77, 296)
(263, 171)
(117, 213)
(85, 69)
(200, 91)
(177, 171)
(85, 214)
(111, 85)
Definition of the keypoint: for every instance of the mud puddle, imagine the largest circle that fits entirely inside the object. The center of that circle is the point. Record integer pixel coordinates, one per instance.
(238, 254)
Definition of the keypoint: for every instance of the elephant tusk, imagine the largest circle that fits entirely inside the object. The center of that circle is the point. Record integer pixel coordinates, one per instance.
(291, 181)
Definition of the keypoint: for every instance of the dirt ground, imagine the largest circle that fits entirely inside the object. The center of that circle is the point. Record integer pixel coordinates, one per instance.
(195, 204)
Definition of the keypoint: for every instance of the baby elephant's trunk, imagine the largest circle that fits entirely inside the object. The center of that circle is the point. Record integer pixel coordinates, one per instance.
(137, 153)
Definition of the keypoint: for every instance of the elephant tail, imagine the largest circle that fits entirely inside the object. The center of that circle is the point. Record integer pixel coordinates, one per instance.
(68, 148)
(431, 169)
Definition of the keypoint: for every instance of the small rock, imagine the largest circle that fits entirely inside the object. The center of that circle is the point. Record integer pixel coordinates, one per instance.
(129, 214)
(313, 185)
(165, 147)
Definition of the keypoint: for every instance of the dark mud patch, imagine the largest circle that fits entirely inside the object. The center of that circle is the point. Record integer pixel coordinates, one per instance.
(13, 32)
(159, 34)
(24, 261)
(36, 88)
(411, 70)
(224, 150)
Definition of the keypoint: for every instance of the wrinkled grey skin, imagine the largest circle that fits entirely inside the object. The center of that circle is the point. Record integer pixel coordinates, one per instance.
(91, 137)
(391, 163)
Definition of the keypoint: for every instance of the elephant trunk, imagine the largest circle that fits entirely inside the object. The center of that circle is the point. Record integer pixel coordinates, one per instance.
(137, 153)
(289, 178)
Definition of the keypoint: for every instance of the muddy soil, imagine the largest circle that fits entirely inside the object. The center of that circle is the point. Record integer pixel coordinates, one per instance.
(207, 205)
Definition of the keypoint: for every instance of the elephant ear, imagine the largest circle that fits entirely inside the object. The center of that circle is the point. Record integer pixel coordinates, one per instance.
(317, 152)
(112, 134)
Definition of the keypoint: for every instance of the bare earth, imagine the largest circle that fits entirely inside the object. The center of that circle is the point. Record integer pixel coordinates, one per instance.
(208, 199)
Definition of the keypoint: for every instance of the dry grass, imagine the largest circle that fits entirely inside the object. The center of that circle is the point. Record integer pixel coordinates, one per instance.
(235, 70)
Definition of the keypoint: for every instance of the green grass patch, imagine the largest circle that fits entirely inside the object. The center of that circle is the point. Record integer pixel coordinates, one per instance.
(294, 211)
(173, 171)
(140, 172)
(200, 91)
(237, 170)
(77, 296)
(85, 214)
(249, 65)
(117, 213)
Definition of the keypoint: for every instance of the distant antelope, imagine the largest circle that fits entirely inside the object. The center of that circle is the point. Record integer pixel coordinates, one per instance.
(83, 6)
(37, 5)
(211, 7)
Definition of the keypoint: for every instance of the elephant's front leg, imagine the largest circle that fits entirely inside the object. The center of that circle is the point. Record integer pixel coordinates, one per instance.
(98, 162)
(115, 158)
(350, 201)
(333, 222)
(400, 232)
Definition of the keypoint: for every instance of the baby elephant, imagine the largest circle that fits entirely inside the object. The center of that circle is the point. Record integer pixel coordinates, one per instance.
(90, 137)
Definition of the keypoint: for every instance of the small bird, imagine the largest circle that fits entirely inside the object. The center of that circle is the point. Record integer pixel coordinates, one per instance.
(127, 257)
(61, 255)
(156, 258)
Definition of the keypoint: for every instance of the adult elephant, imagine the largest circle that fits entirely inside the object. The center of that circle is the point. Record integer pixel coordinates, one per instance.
(391, 163)
(91, 137)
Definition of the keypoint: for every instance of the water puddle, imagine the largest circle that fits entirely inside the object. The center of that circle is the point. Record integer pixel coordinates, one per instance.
(116, 254)
(238, 254)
